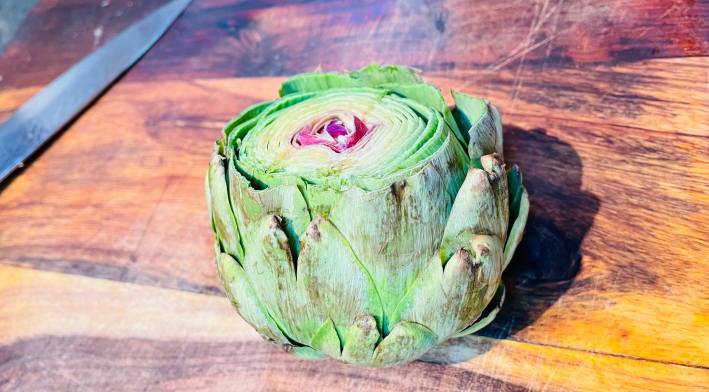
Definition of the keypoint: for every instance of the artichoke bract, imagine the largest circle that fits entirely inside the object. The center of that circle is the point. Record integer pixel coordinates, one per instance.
(360, 218)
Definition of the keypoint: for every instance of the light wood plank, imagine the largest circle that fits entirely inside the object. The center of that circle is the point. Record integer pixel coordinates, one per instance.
(61, 325)
(40, 303)
(666, 95)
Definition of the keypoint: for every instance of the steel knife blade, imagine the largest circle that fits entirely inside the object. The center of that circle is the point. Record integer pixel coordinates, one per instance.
(68, 95)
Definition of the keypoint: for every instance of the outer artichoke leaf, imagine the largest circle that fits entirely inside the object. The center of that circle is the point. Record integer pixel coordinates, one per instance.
(320, 199)
(474, 212)
(442, 300)
(499, 130)
(452, 164)
(313, 82)
(260, 181)
(285, 201)
(335, 282)
(462, 288)
(376, 75)
(489, 253)
(217, 249)
(247, 203)
(488, 315)
(222, 215)
(430, 96)
(215, 152)
(305, 352)
(209, 202)
(394, 231)
(423, 299)
(406, 342)
(482, 122)
(270, 268)
(238, 133)
(360, 341)
(495, 168)
(514, 184)
(326, 341)
(244, 299)
(468, 110)
(517, 228)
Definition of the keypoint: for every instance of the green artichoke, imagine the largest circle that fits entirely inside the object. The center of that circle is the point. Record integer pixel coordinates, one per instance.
(360, 218)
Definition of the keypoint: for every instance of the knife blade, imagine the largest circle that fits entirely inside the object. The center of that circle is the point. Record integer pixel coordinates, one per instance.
(68, 95)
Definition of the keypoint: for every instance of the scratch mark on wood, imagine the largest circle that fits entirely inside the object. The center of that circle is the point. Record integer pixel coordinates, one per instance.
(152, 214)
(551, 376)
(496, 67)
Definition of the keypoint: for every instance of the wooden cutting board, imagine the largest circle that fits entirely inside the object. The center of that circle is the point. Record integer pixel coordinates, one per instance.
(107, 277)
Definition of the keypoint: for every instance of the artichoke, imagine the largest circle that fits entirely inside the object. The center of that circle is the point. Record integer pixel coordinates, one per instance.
(360, 218)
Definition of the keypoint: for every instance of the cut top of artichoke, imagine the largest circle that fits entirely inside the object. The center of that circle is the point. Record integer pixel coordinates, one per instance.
(401, 136)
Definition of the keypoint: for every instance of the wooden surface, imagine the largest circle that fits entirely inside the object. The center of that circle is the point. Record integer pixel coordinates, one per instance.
(107, 278)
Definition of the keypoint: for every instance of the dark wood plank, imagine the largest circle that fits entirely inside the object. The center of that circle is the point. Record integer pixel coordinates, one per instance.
(224, 38)
(273, 38)
(68, 333)
(58, 33)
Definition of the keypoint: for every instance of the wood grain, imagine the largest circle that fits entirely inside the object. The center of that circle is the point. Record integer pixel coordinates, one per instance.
(643, 260)
(225, 38)
(64, 332)
(604, 106)
(131, 208)
(58, 33)
(663, 95)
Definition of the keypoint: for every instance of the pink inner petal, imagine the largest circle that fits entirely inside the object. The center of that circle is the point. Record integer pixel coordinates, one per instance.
(360, 131)
(334, 135)
(307, 139)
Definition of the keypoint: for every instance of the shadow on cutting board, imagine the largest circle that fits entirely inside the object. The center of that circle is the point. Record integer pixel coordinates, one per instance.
(549, 256)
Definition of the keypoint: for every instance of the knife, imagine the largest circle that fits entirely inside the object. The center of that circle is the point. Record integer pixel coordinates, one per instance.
(68, 95)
